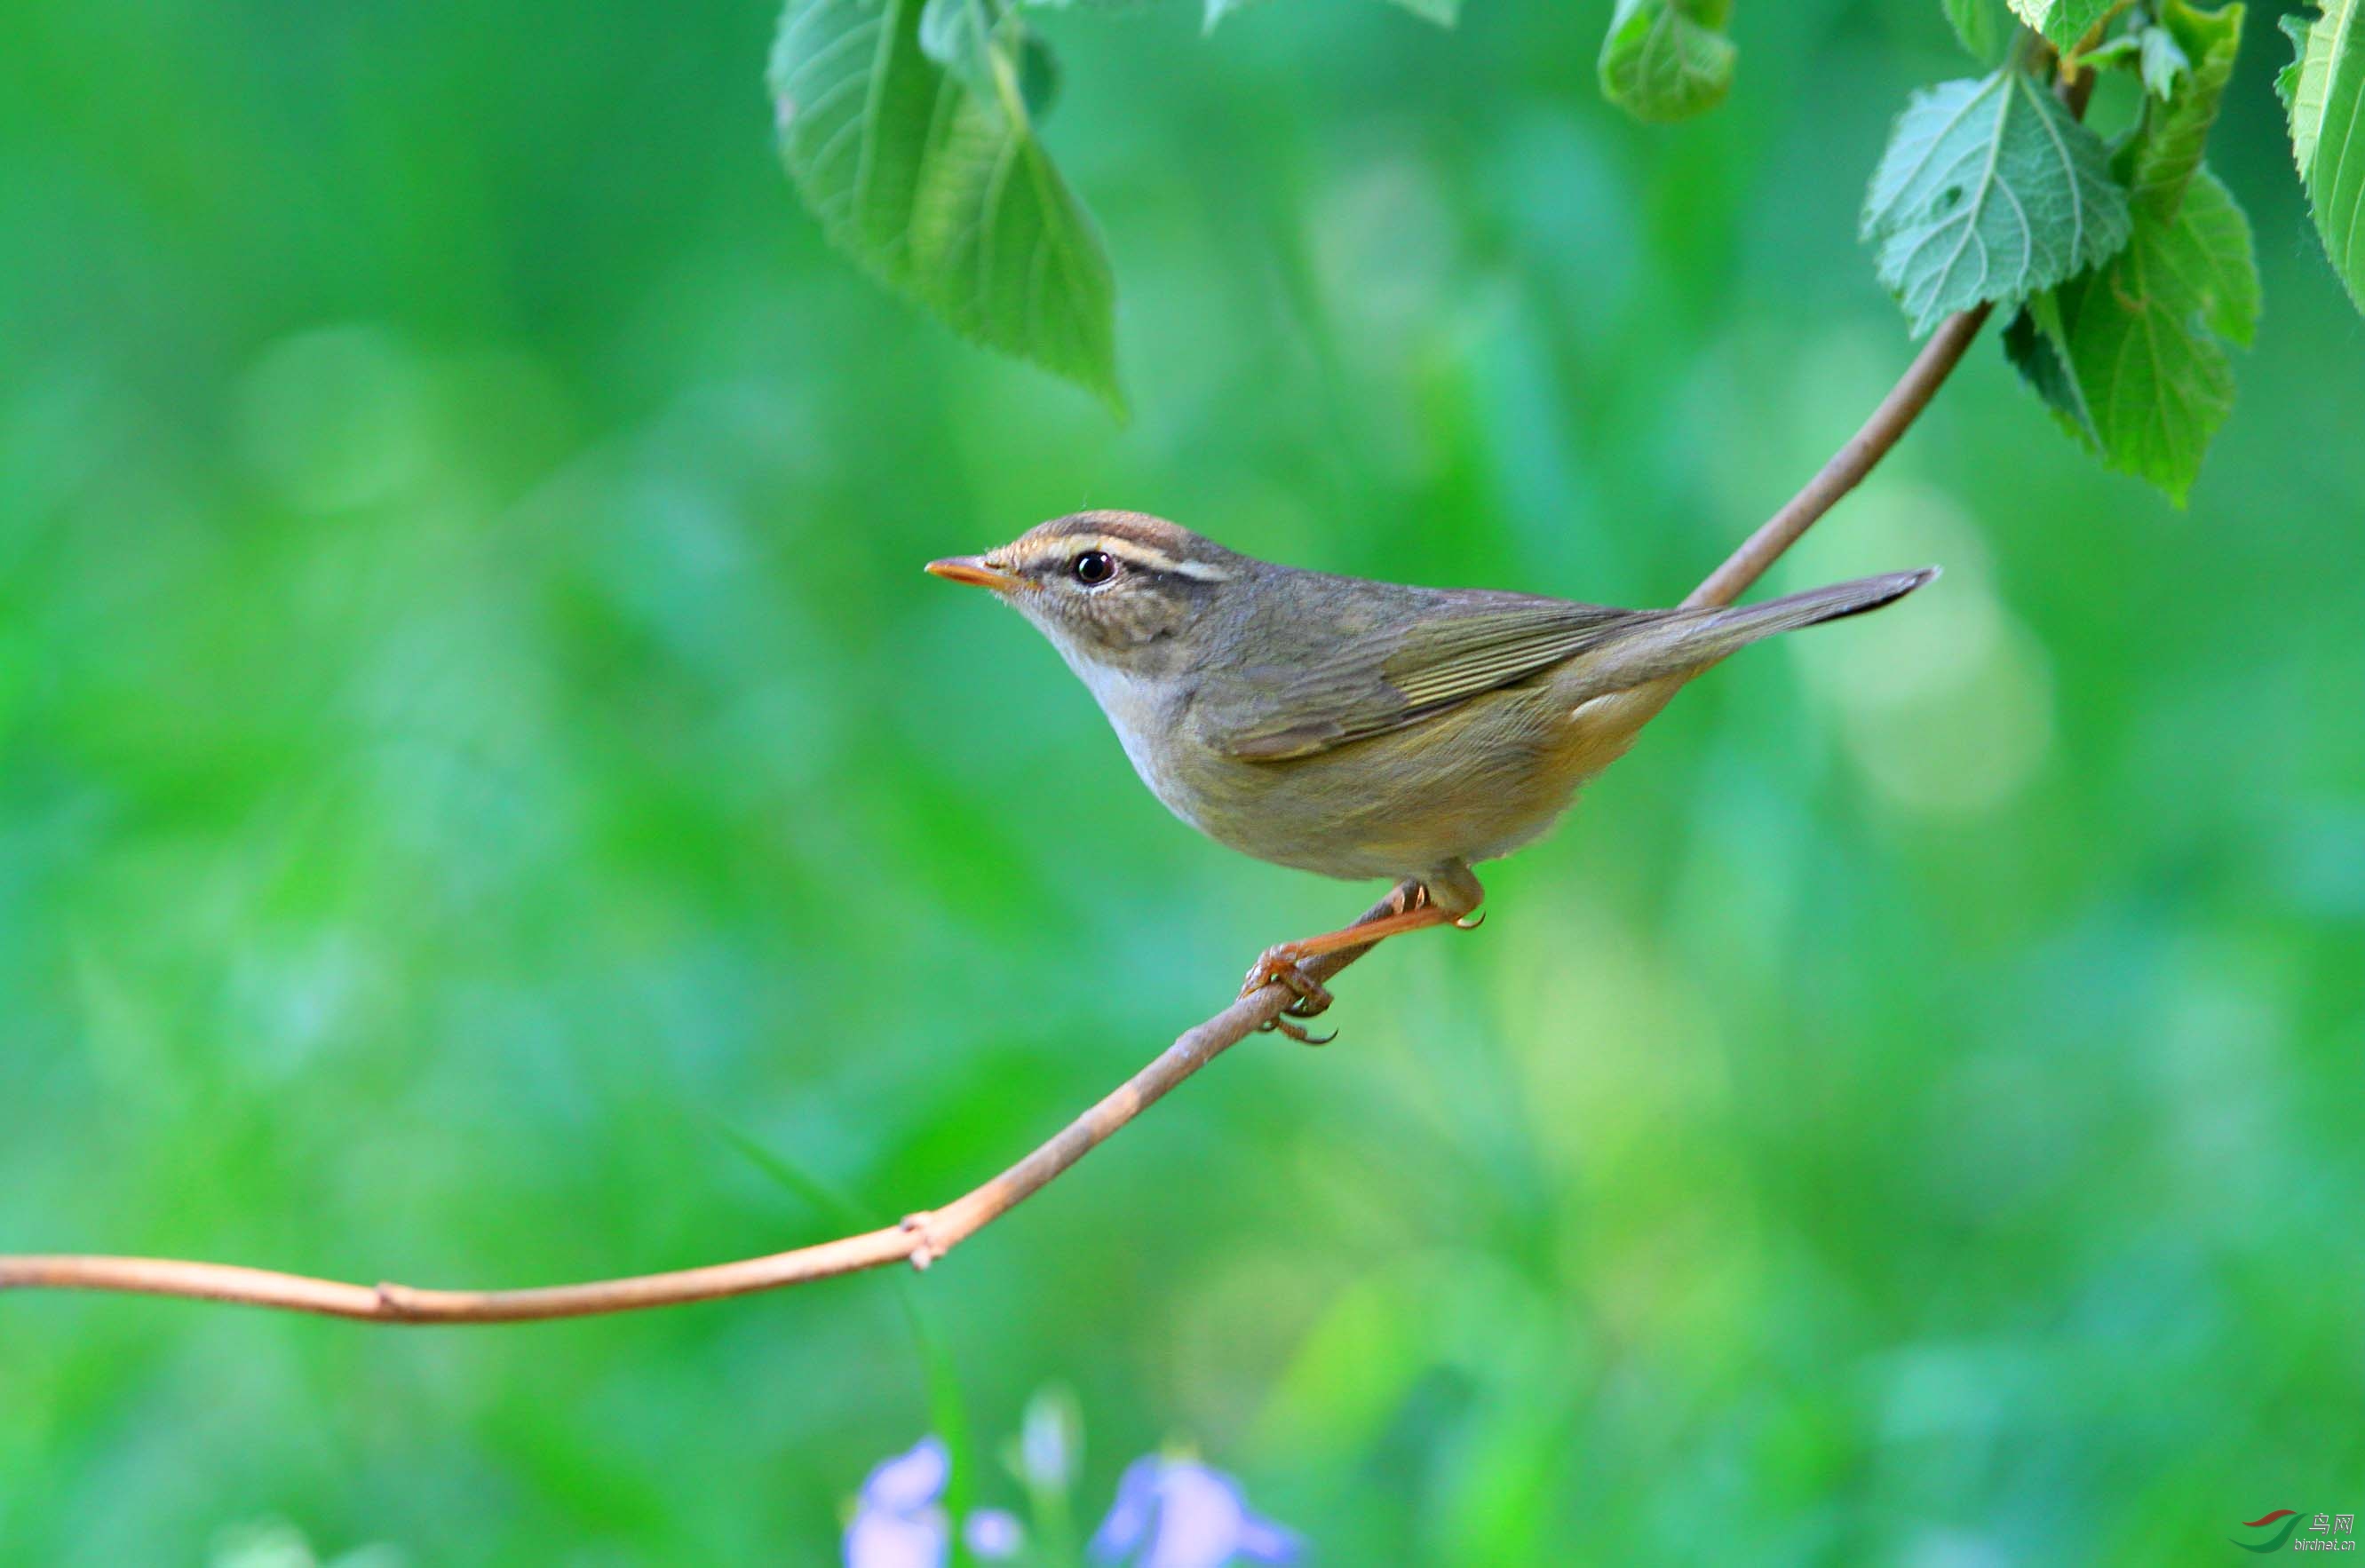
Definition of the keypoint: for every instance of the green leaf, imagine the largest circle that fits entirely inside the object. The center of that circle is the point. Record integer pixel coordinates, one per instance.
(2325, 91)
(1988, 190)
(1667, 60)
(2062, 21)
(1985, 27)
(2159, 161)
(939, 187)
(2146, 337)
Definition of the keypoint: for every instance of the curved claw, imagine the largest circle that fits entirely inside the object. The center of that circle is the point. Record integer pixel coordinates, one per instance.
(1279, 965)
(1470, 921)
(1282, 1025)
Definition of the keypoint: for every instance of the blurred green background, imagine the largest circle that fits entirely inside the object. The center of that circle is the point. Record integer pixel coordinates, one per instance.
(472, 726)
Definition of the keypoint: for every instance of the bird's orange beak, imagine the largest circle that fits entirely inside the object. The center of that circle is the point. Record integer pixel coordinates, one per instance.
(973, 570)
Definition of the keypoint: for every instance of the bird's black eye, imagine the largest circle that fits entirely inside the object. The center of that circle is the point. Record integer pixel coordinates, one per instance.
(1093, 567)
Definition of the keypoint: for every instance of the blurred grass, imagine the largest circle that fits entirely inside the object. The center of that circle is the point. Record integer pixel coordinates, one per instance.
(471, 715)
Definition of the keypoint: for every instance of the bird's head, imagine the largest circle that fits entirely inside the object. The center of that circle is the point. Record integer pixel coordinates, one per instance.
(1109, 588)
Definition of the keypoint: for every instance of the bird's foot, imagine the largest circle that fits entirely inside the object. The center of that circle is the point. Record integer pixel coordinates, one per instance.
(1279, 965)
(1413, 907)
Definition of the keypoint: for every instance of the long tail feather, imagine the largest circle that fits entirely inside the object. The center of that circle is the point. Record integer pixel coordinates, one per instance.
(1684, 642)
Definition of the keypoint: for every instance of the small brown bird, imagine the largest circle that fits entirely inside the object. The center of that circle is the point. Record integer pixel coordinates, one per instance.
(1355, 728)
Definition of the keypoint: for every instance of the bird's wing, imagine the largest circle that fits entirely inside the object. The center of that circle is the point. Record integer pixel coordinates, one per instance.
(1439, 653)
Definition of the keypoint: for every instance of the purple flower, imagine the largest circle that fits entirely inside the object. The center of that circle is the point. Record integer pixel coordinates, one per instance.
(992, 1533)
(898, 1523)
(1178, 1514)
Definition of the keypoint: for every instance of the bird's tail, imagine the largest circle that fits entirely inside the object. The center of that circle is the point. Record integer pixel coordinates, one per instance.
(1684, 642)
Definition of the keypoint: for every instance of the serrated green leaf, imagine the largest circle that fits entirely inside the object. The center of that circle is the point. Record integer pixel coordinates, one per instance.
(2158, 162)
(1018, 263)
(2146, 335)
(1667, 60)
(2325, 91)
(2295, 28)
(940, 189)
(2062, 21)
(1985, 27)
(2322, 44)
(1988, 190)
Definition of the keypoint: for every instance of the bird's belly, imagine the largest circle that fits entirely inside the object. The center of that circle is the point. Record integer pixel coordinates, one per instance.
(1466, 785)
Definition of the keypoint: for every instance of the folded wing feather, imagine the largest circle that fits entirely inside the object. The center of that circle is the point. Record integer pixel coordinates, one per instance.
(1398, 676)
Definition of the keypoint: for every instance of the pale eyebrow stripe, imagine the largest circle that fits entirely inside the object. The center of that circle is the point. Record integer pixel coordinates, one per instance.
(1201, 570)
(1151, 558)
(1148, 557)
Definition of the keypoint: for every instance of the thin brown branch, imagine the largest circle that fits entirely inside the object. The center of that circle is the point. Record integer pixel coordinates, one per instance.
(1850, 464)
(923, 1238)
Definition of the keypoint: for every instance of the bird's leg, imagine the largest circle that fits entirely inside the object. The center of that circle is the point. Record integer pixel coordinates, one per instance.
(1279, 965)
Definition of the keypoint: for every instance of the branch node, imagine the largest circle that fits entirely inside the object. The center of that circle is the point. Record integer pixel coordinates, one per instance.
(925, 1251)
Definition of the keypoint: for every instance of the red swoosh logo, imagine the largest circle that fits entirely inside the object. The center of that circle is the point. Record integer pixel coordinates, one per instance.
(2278, 1513)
